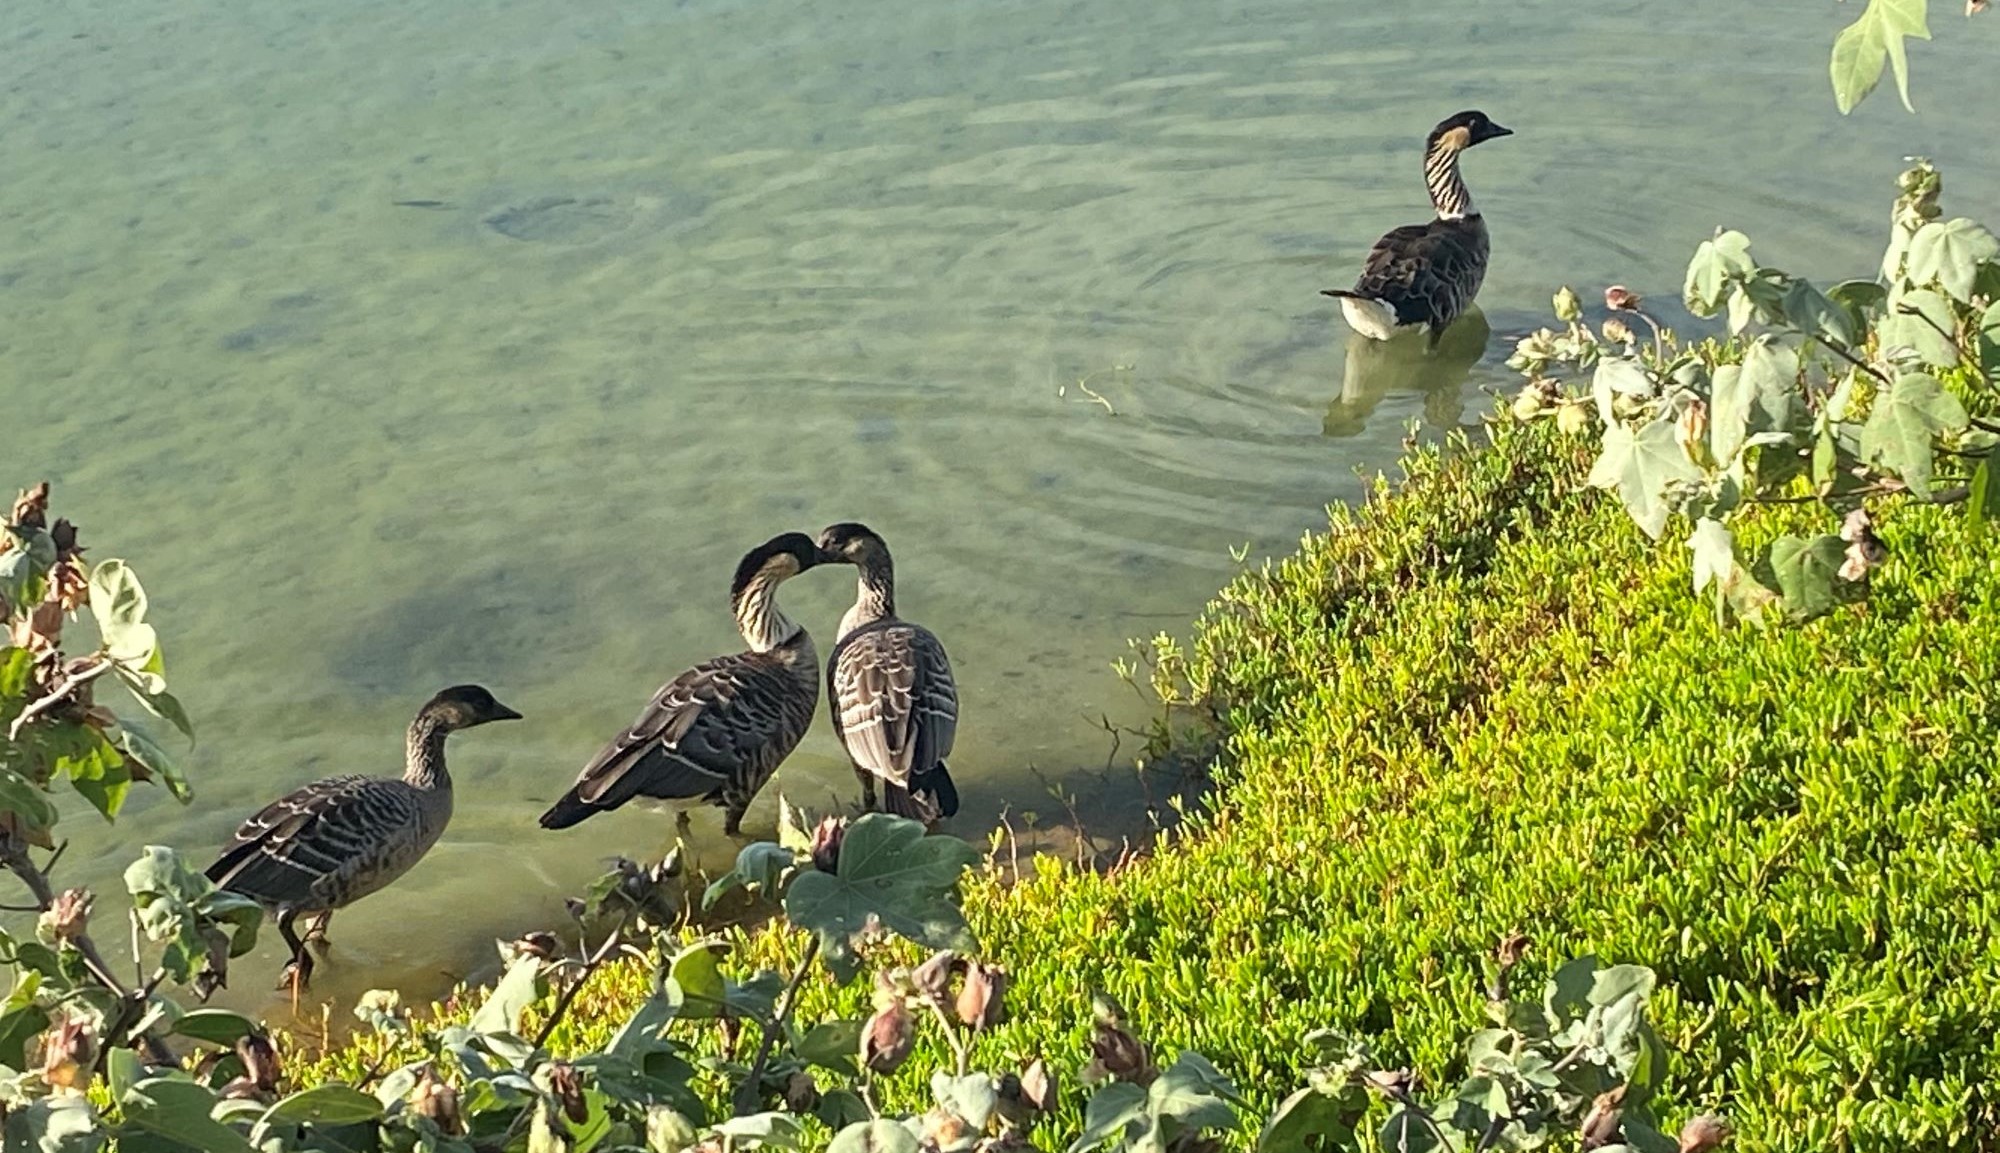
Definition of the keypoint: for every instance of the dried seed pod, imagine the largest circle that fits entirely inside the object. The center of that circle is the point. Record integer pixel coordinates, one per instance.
(1600, 1125)
(1038, 1088)
(888, 1037)
(69, 1050)
(1704, 1133)
(933, 978)
(567, 1089)
(1619, 298)
(801, 1092)
(1617, 331)
(826, 838)
(1118, 1053)
(260, 1061)
(438, 1101)
(980, 999)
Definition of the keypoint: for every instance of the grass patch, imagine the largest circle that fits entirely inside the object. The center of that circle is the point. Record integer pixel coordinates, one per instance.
(1483, 703)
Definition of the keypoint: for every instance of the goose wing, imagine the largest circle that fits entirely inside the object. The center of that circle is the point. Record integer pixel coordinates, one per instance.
(894, 702)
(295, 850)
(705, 727)
(1426, 272)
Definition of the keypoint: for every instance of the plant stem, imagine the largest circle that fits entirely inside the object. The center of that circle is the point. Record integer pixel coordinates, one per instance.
(1857, 362)
(960, 1050)
(57, 695)
(568, 997)
(750, 1093)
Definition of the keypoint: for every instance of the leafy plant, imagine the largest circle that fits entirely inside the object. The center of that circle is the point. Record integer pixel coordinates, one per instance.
(1876, 40)
(1870, 391)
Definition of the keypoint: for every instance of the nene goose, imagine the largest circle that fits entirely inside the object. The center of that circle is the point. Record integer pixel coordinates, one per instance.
(1425, 275)
(716, 733)
(894, 703)
(337, 840)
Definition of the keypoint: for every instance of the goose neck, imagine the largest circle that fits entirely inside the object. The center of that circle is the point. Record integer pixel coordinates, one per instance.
(423, 758)
(1449, 195)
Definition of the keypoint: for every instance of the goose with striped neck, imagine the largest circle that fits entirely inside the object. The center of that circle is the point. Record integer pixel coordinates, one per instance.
(335, 841)
(716, 733)
(890, 687)
(1426, 275)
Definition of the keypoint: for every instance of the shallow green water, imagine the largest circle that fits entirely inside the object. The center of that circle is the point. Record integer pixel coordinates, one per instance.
(697, 273)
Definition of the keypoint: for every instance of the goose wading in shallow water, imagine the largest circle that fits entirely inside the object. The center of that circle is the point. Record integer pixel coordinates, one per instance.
(889, 683)
(716, 733)
(1425, 275)
(337, 840)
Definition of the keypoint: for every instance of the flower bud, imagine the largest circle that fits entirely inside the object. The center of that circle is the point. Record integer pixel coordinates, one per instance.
(826, 838)
(1617, 331)
(67, 918)
(69, 1051)
(1528, 405)
(1572, 418)
(1692, 431)
(1118, 1053)
(1703, 1134)
(1865, 550)
(1569, 307)
(1619, 298)
(979, 1000)
(888, 1037)
(438, 1101)
(1038, 1089)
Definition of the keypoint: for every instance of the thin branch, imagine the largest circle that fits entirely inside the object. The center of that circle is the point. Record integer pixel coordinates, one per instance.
(62, 692)
(749, 1093)
(1906, 310)
(1857, 362)
(961, 1053)
(568, 997)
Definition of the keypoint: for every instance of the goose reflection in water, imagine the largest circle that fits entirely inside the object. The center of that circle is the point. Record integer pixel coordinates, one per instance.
(1404, 364)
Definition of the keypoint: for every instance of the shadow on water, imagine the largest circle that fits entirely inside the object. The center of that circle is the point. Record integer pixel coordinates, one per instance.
(1406, 364)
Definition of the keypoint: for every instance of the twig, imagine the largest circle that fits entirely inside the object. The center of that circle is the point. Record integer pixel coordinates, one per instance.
(1906, 310)
(62, 692)
(1402, 1097)
(1857, 362)
(749, 1093)
(568, 996)
(959, 1051)
(1494, 1128)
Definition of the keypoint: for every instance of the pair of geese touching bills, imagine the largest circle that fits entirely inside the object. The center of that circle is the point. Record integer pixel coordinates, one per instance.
(715, 734)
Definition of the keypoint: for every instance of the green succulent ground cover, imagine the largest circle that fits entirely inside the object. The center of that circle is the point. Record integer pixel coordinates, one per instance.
(1482, 704)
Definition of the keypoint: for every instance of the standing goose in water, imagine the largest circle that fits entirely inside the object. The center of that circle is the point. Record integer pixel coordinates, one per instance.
(337, 840)
(1427, 274)
(894, 703)
(716, 733)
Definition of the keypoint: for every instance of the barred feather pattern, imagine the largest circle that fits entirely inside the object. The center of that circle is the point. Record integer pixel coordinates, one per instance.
(337, 840)
(715, 735)
(894, 702)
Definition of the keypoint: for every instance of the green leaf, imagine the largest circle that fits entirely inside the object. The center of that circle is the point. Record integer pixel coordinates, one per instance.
(21, 1021)
(93, 765)
(1714, 554)
(777, 1130)
(122, 1070)
(1989, 340)
(1608, 986)
(760, 867)
(1814, 313)
(831, 1045)
(1904, 421)
(1803, 572)
(1923, 321)
(1195, 1093)
(501, 1011)
(329, 1104)
(174, 902)
(62, 1124)
(1949, 254)
(878, 1136)
(24, 564)
(20, 796)
(1302, 1119)
(1861, 298)
(1716, 262)
(156, 701)
(179, 1111)
(216, 1026)
(137, 746)
(118, 602)
(1112, 1109)
(891, 877)
(1759, 395)
(1985, 491)
(1642, 467)
(1618, 376)
(1875, 39)
(1406, 1132)
(971, 1098)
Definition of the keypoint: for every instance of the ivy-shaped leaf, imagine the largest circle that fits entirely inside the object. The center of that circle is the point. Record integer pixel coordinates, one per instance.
(1989, 340)
(1641, 467)
(24, 562)
(118, 603)
(1921, 320)
(501, 1011)
(1905, 420)
(1716, 262)
(179, 1111)
(760, 868)
(1875, 39)
(93, 765)
(1302, 1121)
(1949, 254)
(1617, 376)
(1802, 572)
(1714, 550)
(1814, 313)
(878, 1136)
(891, 877)
(1757, 396)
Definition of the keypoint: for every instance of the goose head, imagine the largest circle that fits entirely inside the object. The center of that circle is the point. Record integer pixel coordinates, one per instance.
(1463, 130)
(465, 706)
(779, 559)
(851, 543)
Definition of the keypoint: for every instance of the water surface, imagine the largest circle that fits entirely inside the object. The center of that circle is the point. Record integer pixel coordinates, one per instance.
(666, 280)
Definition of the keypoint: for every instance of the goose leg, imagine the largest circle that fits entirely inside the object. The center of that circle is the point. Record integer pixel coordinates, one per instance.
(867, 780)
(316, 933)
(298, 971)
